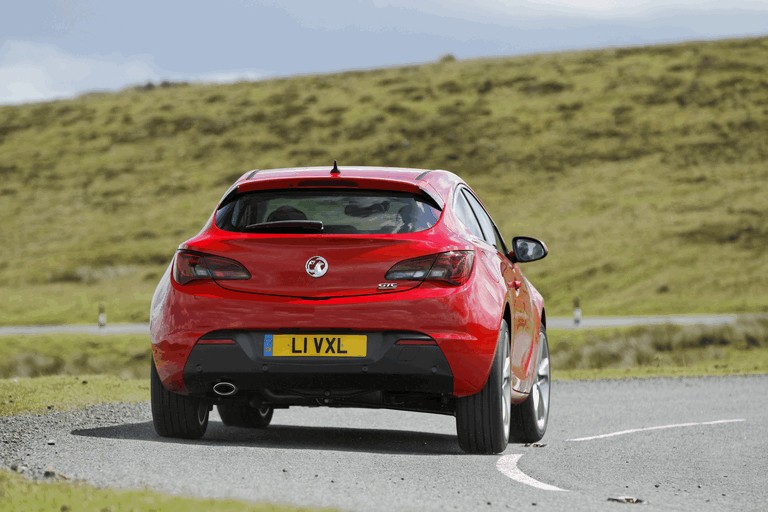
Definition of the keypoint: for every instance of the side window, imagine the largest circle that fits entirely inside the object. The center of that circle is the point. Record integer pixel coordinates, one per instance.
(500, 245)
(489, 232)
(465, 215)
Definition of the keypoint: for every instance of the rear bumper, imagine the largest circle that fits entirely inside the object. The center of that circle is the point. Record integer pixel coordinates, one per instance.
(388, 368)
(464, 327)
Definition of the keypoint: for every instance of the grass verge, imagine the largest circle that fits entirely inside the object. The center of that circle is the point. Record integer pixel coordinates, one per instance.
(18, 493)
(55, 372)
(661, 351)
(125, 356)
(64, 392)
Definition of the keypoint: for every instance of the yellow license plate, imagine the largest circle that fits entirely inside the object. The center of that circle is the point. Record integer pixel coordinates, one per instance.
(315, 345)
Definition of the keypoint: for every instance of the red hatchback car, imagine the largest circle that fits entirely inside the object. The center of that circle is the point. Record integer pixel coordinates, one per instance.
(352, 287)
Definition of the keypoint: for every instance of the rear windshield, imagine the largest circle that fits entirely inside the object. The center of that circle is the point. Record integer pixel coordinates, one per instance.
(340, 211)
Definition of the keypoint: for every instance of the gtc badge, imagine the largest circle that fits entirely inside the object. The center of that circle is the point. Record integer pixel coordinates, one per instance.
(316, 266)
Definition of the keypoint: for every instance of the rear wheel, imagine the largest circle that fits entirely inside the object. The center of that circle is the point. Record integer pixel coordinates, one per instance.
(483, 419)
(530, 418)
(243, 415)
(175, 415)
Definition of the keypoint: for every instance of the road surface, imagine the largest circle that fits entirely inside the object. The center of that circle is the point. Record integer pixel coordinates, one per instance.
(676, 444)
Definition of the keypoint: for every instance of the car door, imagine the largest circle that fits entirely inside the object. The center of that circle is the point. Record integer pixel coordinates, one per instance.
(522, 329)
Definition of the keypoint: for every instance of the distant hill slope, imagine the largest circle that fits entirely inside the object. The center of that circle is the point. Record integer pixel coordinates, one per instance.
(644, 169)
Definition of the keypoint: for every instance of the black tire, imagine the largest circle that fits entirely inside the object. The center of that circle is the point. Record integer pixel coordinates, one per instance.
(530, 418)
(175, 415)
(482, 420)
(243, 415)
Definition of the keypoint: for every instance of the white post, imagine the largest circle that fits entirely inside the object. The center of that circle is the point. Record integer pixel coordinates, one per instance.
(576, 312)
(102, 316)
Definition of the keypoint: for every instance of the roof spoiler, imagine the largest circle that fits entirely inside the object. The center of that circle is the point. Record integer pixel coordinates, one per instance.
(333, 182)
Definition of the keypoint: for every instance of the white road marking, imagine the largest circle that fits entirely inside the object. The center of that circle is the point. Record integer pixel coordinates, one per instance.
(507, 464)
(646, 429)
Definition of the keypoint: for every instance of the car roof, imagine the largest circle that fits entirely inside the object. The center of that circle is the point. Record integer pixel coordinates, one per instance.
(439, 180)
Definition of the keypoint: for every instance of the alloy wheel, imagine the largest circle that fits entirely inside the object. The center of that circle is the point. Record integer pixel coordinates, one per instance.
(540, 389)
(506, 389)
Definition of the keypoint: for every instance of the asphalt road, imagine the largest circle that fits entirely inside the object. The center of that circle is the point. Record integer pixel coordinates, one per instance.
(553, 323)
(676, 444)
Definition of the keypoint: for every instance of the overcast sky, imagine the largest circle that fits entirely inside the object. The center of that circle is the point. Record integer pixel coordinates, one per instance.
(61, 48)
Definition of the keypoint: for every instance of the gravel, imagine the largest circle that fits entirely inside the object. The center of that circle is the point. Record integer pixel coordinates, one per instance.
(23, 437)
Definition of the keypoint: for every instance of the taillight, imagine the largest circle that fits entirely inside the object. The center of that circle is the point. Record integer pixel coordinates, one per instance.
(452, 267)
(191, 266)
(415, 269)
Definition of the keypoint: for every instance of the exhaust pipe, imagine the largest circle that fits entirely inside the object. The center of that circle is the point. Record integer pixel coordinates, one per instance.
(224, 388)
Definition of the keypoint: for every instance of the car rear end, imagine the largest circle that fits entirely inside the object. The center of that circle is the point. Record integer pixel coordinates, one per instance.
(317, 288)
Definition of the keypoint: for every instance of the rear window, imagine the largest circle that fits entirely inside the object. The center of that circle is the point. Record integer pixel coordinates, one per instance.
(340, 211)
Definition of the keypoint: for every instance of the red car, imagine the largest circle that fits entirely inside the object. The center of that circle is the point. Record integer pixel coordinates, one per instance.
(352, 287)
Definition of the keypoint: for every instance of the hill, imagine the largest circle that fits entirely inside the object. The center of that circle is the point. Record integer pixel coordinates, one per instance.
(644, 169)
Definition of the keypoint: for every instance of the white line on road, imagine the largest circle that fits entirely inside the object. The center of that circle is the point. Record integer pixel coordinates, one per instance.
(507, 464)
(646, 429)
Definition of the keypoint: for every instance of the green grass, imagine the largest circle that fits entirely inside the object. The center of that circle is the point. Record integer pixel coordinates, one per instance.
(644, 169)
(125, 298)
(661, 351)
(125, 356)
(58, 372)
(65, 392)
(20, 494)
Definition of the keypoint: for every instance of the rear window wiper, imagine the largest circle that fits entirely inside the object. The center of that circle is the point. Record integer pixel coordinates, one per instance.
(285, 226)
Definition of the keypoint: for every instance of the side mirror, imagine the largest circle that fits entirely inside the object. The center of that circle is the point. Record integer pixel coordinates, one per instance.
(525, 248)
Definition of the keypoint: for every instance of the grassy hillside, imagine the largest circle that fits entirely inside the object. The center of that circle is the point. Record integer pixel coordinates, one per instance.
(644, 169)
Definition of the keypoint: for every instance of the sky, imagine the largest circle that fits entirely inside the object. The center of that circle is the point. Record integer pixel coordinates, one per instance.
(61, 48)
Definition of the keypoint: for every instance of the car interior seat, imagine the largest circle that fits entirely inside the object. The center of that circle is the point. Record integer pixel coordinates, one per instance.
(286, 213)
